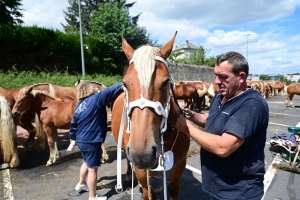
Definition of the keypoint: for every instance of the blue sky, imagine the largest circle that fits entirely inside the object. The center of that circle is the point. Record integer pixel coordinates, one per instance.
(218, 25)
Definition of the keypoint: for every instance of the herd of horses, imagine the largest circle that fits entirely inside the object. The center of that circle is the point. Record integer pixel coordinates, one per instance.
(271, 88)
(149, 103)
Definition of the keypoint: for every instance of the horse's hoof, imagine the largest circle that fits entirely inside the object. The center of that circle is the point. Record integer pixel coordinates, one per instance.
(49, 164)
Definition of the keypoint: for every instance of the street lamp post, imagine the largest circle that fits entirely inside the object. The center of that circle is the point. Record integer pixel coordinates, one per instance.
(81, 40)
(247, 46)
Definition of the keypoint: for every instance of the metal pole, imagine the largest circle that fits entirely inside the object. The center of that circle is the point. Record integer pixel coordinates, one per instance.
(247, 46)
(81, 41)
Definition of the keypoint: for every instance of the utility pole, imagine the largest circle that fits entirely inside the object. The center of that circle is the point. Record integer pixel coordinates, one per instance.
(247, 46)
(81, 41)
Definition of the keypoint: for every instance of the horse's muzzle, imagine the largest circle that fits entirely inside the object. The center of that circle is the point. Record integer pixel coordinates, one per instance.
(143, 160)
(16, 113)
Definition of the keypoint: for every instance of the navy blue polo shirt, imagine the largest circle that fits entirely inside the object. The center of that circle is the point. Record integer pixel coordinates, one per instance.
(240, 175)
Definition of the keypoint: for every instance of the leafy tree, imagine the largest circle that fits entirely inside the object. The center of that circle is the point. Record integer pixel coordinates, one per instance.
(174, 56)
(198, 56)
(108, 25)
(10, 12)
(264, 77)
(211, 61)
(87, 9)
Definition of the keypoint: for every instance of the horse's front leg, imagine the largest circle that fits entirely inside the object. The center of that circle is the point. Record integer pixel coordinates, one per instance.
(146, 183)
(174, 177)
(105, 156)
(291, 100)
(24, 121)
(52, 142)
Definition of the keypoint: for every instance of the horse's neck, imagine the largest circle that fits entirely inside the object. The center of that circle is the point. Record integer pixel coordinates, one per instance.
(41, 100)
(65, 91)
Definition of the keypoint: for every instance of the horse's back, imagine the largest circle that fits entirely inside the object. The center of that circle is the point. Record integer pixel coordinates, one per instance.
(8, 97)
(294, 88)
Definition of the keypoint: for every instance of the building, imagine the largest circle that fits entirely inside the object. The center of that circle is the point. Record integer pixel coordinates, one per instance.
(275, 77)
(187, 48)
(293, 77)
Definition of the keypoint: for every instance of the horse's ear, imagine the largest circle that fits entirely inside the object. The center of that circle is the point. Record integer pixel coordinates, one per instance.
(30, 89)
(78, 81)
(166, 50)
(128, 50)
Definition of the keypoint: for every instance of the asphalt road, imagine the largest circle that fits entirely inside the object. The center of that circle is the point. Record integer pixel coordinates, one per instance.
(33, 180)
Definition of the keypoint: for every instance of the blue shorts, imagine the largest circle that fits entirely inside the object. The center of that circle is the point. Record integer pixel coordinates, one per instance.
(91, 153)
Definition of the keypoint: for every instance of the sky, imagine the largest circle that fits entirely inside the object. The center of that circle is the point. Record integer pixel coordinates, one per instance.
(266, 32)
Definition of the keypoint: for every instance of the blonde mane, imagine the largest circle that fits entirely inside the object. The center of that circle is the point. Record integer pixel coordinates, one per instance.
(145, 64)
(35, 92)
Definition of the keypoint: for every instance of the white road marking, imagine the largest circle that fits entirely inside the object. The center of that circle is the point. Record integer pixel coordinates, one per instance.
(284, 114)
(198, 171)
(269, 175)
(7, 187)
(279, 124)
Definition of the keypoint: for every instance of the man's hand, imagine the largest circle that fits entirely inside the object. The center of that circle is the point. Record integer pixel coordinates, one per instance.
(181, 122)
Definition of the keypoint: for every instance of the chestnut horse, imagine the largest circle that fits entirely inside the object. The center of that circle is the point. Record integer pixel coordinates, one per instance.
(8, 130)
(291, 90)
(188, 93)
(66, 94)
(150, 107)
(52, 113)
(25, 118)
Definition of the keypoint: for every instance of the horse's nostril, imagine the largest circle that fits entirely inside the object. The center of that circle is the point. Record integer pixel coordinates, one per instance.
(154, 152)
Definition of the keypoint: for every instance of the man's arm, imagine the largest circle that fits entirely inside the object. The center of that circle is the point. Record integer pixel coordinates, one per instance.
(222, 146)
(196, 118)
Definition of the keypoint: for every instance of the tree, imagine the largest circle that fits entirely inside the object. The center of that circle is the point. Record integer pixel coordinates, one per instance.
(108, 25)
(211, 61)
(87, 9)
(174, 56)
(10, 12)
(264, 77)
(198, 56)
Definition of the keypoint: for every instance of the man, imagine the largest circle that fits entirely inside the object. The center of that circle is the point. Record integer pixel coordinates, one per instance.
(88, 128)
(232, 144)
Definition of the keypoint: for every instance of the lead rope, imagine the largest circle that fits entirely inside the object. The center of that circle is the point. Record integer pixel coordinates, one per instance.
(149, 185)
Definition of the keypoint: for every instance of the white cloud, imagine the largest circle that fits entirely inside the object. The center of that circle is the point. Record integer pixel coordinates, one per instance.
(43, 13)
(218, 25)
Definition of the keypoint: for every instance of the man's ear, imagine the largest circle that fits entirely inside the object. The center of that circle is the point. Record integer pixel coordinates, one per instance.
(243, 77)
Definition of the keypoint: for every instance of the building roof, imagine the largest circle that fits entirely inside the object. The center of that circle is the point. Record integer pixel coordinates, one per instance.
(186, 45)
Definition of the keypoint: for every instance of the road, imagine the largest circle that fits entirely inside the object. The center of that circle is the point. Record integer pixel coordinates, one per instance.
(33, 180)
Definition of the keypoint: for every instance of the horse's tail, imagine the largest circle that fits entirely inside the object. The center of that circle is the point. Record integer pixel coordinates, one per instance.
(40, 134)
(8, 131)
(52, 91)
(197, 100)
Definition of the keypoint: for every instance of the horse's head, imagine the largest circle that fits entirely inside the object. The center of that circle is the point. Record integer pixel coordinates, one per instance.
(22, 101)
(147, 92)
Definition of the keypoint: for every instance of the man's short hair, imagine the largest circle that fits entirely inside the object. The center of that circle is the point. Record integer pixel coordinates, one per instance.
(238, 61)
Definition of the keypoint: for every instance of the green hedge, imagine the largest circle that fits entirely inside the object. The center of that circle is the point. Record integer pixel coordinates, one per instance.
(14, 78)
(33, 48)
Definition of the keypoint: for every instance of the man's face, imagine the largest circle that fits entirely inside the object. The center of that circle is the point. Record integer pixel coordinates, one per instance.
(228, 83)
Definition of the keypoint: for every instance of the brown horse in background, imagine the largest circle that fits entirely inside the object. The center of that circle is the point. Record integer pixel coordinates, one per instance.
(147, 81)
(65, 94)
(8, 130)
(188, 93)
(291, 90)
(52, 114)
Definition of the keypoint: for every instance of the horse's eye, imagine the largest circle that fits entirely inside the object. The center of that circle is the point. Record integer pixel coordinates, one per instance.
(165, 83)
(23, 99)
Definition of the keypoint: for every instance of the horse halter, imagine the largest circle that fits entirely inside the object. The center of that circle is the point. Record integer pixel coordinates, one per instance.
(143, 103)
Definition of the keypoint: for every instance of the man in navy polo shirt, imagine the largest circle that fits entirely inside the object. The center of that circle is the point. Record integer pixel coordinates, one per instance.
(232, 144)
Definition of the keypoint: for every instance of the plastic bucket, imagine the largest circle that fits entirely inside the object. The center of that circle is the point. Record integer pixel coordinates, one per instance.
(295, 130)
